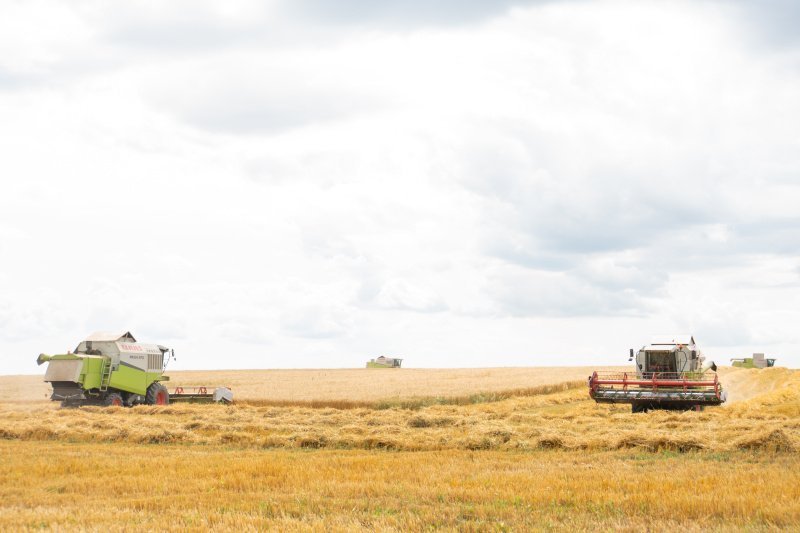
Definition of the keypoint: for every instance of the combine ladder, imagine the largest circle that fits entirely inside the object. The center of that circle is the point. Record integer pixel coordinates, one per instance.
(105, 374)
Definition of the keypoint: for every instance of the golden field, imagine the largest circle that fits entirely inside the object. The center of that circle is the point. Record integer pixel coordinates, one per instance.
(55, 485)
(337, 384)
(474, 449)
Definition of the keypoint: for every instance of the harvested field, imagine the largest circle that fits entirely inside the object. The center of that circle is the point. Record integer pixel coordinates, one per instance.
(548, 416)
(116, 487)
(482, 457)
(350, 384)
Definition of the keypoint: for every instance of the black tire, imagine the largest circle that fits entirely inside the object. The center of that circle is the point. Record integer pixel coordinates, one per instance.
(133, 399)
(157, 394)
(113, 400)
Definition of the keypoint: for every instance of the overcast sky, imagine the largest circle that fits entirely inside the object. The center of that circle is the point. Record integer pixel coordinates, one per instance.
(305, 183)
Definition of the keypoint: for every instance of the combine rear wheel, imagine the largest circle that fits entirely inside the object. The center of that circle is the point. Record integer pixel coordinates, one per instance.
(157, 394)
(113, 400)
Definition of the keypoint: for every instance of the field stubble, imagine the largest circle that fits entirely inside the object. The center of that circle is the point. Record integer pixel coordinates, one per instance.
(550, 416)
(346, 384)
(493, 457)
(139, 487)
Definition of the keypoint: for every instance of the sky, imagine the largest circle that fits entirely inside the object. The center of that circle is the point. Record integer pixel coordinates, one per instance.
(310, 184)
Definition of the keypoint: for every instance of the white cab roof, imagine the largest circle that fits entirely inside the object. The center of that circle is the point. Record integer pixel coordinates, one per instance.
(673, 339)
(111, 336)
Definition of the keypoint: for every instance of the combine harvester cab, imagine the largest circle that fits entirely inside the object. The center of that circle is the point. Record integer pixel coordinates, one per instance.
(668, 375)
(110, 369)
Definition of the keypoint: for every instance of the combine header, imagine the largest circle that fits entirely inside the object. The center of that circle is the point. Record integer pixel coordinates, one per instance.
(201, 395)
(116, 369)
(668, 375)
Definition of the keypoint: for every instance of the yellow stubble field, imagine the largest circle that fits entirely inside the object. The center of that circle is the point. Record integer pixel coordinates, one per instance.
(481, 449)
(337, 384)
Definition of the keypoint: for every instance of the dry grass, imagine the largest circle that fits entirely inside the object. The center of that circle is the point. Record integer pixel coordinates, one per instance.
(541, 456)
(549, 416)
(358, 385)
(139, 487)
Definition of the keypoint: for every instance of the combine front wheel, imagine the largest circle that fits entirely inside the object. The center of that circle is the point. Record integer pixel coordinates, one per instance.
(113, 400)
(157, 394)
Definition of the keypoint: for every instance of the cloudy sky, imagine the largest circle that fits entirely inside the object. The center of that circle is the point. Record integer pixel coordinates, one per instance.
(304, 183)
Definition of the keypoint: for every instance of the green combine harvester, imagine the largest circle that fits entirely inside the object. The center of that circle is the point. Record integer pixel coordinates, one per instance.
(757, 361)
(113, 369)
(384, 362)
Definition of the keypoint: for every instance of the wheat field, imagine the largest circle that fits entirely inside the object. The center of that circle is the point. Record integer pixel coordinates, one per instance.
(337, 384)
(480, 449)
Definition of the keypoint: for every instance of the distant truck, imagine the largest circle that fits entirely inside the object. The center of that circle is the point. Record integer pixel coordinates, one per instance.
(757, 361)
(384, 362)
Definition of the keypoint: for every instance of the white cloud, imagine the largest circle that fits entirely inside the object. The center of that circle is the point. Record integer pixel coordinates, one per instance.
(316, 322)
(400, 294)
(516, 182)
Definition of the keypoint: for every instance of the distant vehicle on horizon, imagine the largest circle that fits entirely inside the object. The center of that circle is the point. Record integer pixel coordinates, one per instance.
(757, 361)
(384, 362)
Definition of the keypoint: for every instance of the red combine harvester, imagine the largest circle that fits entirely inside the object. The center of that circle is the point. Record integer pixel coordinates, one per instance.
(669, 375)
